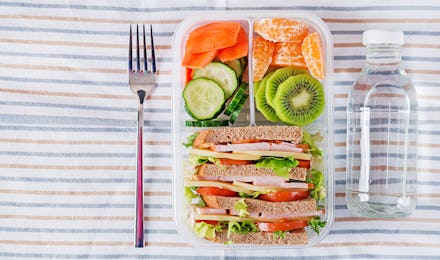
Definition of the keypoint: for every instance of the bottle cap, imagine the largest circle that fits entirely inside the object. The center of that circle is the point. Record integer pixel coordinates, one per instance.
(382, 37)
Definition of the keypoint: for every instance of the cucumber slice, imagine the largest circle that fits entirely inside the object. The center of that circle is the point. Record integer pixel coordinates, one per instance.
(236, 99)
(236, 66)
(204, 98)
(222, 74)
(237, 111)
(207, 123)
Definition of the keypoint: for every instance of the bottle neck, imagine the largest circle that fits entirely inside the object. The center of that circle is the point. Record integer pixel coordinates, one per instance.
(385, 56)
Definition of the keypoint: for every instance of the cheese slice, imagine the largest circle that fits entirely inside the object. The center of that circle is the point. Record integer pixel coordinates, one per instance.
(293, 186)
(218, 184)
(233, 156)
(249, 155)
(298, 156)
(221, 218)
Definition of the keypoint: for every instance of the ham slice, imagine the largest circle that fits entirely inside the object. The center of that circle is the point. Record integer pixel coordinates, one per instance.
(210, 211)
(261, 180)
(280, 182)
(252, 214)
(257, 181)
(277, 217)
(296, 185)
(285, 147)
(268, 181)
(259, 146)
(291, 215)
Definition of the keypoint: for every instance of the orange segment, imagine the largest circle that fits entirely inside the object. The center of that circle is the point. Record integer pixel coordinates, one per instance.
(288, 54)
(312, 52)
(262, 57)
(281, 29)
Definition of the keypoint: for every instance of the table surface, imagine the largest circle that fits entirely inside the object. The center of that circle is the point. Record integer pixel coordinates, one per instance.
(68, 130)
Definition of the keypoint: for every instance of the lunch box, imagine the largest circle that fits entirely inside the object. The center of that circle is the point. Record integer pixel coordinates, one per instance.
(249, 116)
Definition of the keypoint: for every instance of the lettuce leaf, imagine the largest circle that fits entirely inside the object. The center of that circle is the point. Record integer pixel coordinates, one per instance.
(310, 140)
(280, 165)
(241, 207)
(316, 223)
(193, 197)
(253, 195)
(279, 234)
(203, 229)
(197, 160)
(240, 228)
(190, 140)
(317, 178)
(229, 242)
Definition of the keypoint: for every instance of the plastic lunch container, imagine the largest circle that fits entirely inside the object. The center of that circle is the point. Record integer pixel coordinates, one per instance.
(249, 116)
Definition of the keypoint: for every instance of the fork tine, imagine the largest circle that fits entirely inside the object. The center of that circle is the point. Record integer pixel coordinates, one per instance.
(153, 56)
(138, 58)
(145, 49)
(130, 53)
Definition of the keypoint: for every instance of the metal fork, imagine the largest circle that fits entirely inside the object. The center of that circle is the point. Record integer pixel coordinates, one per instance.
(141, 82)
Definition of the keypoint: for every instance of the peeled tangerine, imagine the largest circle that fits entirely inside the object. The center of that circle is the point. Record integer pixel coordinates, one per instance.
(288, 54)
(281, 29)
(262, 57)
(312, 52)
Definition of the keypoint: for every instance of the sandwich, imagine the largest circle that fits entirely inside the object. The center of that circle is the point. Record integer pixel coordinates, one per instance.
(254, 185)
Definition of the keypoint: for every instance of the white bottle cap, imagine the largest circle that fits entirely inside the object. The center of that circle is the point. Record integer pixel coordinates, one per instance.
(382, 37)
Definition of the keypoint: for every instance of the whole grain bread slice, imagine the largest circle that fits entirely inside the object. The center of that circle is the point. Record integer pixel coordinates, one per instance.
(213, 171)
(260, 206)
(294, 237)
(219, 135)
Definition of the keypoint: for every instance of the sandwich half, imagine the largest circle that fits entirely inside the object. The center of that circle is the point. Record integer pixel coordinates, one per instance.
(254, 185)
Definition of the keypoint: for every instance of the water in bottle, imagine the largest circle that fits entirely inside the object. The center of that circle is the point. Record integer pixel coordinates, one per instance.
(382, 132)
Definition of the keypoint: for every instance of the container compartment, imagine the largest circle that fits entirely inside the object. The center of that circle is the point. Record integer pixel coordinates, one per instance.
(249, 116)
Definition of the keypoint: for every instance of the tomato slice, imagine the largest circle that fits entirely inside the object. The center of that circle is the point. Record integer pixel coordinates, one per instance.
(303, 164)
(212, 222)
(188, 75)
(281, 226)
(226, 161)
(216, 191)
(303, 146)
(283, 196)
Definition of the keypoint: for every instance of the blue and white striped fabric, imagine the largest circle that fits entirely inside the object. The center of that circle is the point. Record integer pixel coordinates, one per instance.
(68, 130)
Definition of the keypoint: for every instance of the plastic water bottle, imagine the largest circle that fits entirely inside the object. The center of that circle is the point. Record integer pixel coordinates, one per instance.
(382, 132)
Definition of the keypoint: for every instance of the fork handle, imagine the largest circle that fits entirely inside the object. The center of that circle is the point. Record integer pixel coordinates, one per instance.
(139, 234)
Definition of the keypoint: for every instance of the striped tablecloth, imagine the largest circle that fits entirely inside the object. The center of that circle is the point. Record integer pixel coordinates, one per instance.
(68, 130)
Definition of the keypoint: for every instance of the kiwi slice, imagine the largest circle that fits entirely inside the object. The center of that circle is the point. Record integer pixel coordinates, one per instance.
(276, 79)
(299, 100)
(261, 103)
